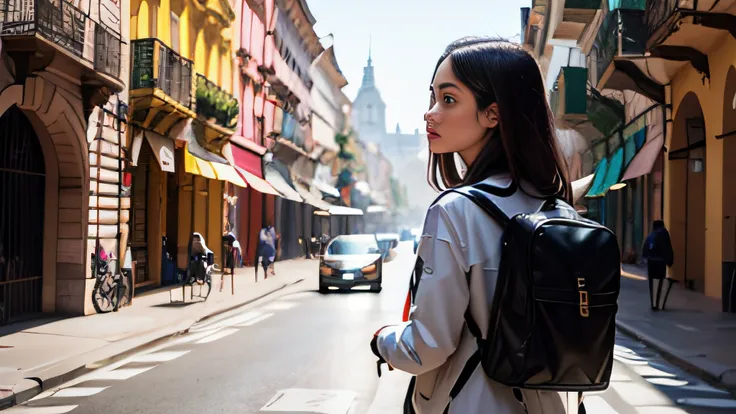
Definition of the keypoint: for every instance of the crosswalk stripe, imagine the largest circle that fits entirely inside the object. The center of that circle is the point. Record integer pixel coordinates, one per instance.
(218, 335)
(59, 409)
(629, 361)
(119, 374)
(597, 405)
(78, 392)
(281, 305)
(164, 356)
(256, 320)
(234, 320)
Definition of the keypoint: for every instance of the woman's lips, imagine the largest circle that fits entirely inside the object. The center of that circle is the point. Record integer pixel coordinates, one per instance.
(432, 134)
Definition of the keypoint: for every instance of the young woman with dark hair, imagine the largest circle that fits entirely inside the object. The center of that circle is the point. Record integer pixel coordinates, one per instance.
(489, 109)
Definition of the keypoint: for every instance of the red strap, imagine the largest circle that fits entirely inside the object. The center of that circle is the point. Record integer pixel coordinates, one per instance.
(380, 329)
(407, 307)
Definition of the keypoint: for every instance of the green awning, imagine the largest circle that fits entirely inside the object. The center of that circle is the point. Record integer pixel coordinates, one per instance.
(600, 175)
(608, 177)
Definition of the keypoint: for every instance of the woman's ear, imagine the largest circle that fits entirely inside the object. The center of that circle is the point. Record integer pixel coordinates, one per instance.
(489, 116)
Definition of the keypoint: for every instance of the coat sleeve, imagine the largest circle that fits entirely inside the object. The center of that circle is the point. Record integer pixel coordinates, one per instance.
(434, 328)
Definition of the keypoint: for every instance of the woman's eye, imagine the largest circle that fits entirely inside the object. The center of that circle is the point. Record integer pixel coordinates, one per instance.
(449, 99)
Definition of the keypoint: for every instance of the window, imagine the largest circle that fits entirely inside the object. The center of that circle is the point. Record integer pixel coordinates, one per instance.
(174, 32)
(154, 20)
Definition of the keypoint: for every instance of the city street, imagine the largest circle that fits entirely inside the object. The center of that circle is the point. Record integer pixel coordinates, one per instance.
(300, 351)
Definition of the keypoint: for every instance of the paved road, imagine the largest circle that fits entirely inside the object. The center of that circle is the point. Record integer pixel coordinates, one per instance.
(305, 352)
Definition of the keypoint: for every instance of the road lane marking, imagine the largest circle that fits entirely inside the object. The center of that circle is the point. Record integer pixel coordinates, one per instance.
(597, 405)
(704, 388)
(164, 356)
(120, 374)
(667, 382)
(256, 320)
(660, 410)
(311, 401)
(79, 392)
(707, 402)
(637, 394)
(59, 409)
(219, 335)
(629, 361)
(649, 371)
(280, 305)
(234, 320)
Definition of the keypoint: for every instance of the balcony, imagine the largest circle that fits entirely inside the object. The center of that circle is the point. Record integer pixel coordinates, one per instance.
(160, 86)
(569, 99)
(682, 31)
(576, 17)
(617, 60)
(218, 111)
(33, 31)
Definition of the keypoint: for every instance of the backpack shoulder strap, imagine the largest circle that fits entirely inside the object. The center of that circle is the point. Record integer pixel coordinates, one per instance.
(481, 200)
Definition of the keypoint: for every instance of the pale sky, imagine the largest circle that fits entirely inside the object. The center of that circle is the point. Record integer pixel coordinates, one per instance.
(408, 37)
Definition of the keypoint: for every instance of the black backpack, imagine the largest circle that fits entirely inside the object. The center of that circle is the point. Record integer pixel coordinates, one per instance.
(554, 311)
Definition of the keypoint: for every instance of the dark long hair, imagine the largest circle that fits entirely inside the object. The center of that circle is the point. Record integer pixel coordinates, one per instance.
(524, 144)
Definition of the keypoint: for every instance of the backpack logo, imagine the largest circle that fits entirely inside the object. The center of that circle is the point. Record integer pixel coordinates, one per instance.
(584, 311)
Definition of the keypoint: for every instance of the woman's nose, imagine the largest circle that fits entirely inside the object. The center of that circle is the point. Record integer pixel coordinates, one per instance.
(432, 114)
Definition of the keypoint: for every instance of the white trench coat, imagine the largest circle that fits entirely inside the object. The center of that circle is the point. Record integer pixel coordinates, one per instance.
(435, 343)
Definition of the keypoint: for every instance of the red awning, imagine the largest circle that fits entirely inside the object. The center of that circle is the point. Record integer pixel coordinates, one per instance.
(247, 160)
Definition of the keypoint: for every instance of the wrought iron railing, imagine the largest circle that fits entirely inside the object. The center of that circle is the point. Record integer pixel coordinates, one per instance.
(215, 103)
(56, 20)
(155, 65)
(107, 50)
(658, 12)
(65, 25)
(621, 34)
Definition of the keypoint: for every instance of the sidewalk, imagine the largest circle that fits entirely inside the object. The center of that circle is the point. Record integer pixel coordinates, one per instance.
(692, 331)
(40, 354)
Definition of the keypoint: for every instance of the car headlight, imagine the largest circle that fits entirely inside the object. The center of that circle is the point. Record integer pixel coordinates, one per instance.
(371, 268)
(325, 271)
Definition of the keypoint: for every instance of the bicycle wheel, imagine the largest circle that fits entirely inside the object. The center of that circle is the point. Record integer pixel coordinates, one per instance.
(105, 294)
(206, 288)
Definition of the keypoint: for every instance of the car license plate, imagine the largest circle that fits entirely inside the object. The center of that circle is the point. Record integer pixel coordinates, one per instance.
(348, 276)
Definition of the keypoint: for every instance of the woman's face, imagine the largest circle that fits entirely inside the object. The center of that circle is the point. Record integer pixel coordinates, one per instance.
(454, 121)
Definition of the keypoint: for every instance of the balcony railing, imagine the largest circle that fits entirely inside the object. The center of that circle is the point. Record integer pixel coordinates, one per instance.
(157, 66)
(611, 42)
(658, 12)
(213, 103)
(64, 25)
(107, 50)
(56, 20)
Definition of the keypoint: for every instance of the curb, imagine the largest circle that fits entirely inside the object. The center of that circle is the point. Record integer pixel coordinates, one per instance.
(717, 375)
(33, 386)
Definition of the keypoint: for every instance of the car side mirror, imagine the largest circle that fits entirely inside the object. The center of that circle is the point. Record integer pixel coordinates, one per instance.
(394, 243)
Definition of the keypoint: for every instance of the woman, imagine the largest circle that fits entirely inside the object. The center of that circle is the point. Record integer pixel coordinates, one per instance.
(488, 106)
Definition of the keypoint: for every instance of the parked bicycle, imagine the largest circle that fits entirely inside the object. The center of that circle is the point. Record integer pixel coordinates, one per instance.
(199, 269)
(109, 291)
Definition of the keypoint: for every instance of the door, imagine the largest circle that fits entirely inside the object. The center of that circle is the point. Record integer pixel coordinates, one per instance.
(139, 216)
(22, 191)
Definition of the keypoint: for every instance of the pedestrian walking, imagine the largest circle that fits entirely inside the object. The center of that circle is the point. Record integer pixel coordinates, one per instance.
(266, 251)
(659, 256)
(487, 105)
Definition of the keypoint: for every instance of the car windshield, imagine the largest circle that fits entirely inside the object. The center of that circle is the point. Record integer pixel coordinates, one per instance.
(353, 245)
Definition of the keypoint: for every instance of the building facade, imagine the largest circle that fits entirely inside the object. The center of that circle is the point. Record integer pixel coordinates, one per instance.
(662, 103)
(62, 117)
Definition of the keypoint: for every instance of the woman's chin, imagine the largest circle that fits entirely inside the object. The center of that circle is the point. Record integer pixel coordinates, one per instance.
(437, 148)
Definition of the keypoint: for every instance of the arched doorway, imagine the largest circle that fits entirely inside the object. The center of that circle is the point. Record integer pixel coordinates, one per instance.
(729, 185)
(687, 199)
(22, 193)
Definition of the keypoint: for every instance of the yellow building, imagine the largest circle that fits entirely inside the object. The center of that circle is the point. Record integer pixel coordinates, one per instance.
(183, 113)
(689, 65)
